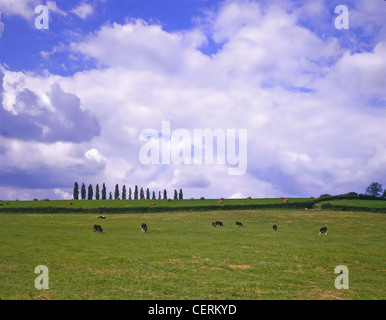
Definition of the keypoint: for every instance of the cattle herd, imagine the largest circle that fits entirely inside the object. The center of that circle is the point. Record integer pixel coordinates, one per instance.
(97, 228)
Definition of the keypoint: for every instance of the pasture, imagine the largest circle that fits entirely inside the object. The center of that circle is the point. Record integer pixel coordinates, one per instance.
(183, 257)
(140, 203)
(359, 203)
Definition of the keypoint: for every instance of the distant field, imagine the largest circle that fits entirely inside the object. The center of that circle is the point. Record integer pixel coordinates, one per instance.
(119, 206)
(183, 257)
(358, 203)
(142, 203)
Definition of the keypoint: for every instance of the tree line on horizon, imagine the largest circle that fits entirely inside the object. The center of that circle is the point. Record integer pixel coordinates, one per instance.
(374, 189)
(138, 193)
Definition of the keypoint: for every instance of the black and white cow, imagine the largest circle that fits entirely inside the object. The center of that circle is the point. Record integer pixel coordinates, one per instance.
(102, 217)
(239, 224)
(274, 227)
(219, 223)
(144, 227)
(323, 230)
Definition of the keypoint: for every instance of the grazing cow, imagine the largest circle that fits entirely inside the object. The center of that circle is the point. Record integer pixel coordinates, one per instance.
(51, 215)
(239, 224)
(144, 227)
(323, 230)
(98, 228)
(102, 217)
(213, 224)
(274, 227)
(219, 223)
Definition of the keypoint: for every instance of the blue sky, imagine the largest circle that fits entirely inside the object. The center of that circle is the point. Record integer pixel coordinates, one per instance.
(75, 98)
(22, 44)
(21, 33)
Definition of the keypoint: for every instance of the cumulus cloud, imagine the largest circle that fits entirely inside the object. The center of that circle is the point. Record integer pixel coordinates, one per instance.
(314, 109)
(93, 154)
(83, 10)
(188, 179)
(63, 194)
(270, 75)
(140, 46)
(53, 8)
(24, 8)
(30, 120)
(1, 27)
(38, 165)
(237, 195)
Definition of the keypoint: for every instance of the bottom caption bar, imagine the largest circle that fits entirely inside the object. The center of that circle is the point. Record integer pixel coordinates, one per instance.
(196, 309)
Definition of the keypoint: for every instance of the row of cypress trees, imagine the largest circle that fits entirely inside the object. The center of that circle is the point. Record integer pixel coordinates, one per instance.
(102, 194)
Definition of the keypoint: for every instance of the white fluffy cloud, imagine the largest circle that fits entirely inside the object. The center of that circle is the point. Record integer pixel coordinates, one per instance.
(83, 10)
(52, 7)
(1, 27)
(24, 8)
(139, 46)
(314, 111)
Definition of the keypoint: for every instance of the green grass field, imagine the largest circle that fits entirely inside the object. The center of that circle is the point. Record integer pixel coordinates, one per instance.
(358, 203)
(183, 257)
(141, 203)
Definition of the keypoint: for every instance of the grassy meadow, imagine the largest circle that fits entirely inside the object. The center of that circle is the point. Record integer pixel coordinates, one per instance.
(140, 203)
(359, 203)
(183, 257)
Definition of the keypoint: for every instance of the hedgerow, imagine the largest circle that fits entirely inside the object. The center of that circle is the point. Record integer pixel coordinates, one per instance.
(51, 210)
(349, 197)
(329, 206)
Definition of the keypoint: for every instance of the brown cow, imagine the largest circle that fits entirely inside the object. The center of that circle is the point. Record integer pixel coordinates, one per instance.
(98, 228)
